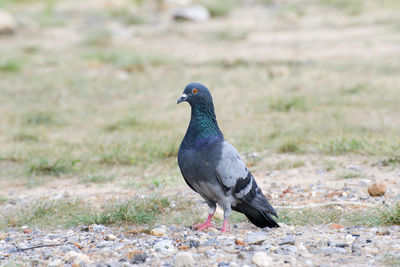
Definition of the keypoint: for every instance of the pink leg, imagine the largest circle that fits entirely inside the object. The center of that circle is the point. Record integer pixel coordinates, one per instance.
(205, 225)
(224, 228)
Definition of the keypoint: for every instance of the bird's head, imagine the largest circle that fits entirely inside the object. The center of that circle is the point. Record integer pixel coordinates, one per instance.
(195, 93)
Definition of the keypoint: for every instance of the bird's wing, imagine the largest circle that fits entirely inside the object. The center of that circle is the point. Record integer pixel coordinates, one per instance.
(233, 174)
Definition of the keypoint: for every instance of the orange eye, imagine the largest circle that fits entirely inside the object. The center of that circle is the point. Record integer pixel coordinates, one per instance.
(194, 91)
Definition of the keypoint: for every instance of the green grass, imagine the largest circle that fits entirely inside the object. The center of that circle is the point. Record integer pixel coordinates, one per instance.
(44, 213)
(99, 104)
(355, 89)
(98, 179)
(25, 137)
(115, 154)
(344, 144)
(286, 104)
(126, 16)
(161, 149)
(220, 8)
(288, 164)
(237, 217)
(128, 60)
(138, 2)
(3, 199)
(11, 65)
(124, 124)
(266, 2)
(329, 165)
(391, 215)
(391, 161)
(289, 146)
(66, 213)
(384, 216)
(51, 167)
(98, 38)
(147, 211)
(130, 152)
(350, 7)
(137, 212)
(366, 217)
(351, 174)
(36, 118)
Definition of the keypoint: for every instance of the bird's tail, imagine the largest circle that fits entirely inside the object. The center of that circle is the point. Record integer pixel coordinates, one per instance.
(258, 218)
(257, 208)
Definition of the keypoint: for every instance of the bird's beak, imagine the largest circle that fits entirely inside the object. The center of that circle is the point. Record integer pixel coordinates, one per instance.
(182, 98)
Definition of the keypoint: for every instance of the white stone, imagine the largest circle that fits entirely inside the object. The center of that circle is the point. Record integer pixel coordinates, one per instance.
(55, 263)
(177, 2)
(165, 247)
(302, 248)
(262, 259)
(7, 22)
(197, 13)
(98, 228)
(184, 259)
(349, 237)
(111, 237)
(76, 257)
(256, 238)
(159, 230)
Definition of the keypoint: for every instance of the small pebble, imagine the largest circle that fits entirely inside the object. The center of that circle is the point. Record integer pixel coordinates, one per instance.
(386, 232)
(261, 259)
(356, 249)
(255, 238)
(77, 258)
(97, 228)
(139, 258)
(194, 243)
(377, 189)
(288, 240)
(184, 259)
(332, 250)
(27, 231)
(110, 237)
(165, 247)
(159, 231)
(55, 263)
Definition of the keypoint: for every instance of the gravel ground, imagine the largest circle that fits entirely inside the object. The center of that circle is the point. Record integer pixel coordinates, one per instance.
(97, 245)
(244, 244)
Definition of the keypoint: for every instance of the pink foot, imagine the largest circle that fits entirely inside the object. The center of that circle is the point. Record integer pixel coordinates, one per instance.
(205, 225)
(224, 226)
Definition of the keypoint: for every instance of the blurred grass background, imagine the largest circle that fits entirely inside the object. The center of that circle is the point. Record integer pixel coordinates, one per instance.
(88, 89)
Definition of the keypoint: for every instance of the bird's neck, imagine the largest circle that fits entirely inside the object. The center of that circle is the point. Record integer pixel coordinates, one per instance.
(203, 123)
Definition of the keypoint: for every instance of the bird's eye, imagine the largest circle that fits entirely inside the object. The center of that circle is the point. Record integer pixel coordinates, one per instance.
(194, 91)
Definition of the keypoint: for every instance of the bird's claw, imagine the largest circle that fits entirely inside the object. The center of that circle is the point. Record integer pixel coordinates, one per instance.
(224, 229)
(205, 225)
(202, 226)
(225, 226)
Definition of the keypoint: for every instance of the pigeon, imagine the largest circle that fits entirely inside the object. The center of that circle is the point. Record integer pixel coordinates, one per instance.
(213, 168)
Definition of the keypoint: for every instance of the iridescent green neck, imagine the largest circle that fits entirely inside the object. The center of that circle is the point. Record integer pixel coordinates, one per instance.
(203, 123)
